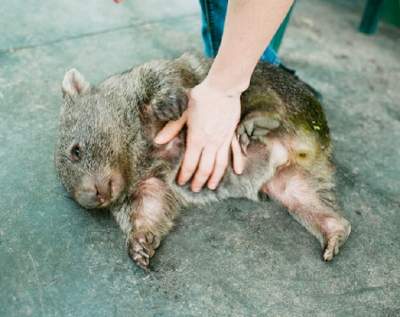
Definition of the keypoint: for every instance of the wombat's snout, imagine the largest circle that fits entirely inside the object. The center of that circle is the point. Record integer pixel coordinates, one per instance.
(99, 191)
(103, 191)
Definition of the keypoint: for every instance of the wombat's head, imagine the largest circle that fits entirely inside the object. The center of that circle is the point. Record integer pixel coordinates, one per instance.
(90, 155)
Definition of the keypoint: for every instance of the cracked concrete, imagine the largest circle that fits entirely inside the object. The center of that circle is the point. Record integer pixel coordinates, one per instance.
(233, 258)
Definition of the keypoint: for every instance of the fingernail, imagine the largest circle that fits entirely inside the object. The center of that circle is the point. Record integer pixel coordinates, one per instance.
(240, 171)
(158, 139)
(212, 186)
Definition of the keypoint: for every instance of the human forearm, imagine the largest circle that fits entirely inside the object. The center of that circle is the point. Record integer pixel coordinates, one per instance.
(214, 105)
(249, 27)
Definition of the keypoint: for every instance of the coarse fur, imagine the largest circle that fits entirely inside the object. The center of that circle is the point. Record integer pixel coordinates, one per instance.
(106, 158)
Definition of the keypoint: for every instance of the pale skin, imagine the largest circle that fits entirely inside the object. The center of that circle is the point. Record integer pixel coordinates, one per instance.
(214, 105)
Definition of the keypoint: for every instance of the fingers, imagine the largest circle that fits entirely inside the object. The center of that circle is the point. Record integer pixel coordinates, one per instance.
(238, 159)
(206, 167)
(171, 130)
(210, 164)
(190, 161)
(221, 163)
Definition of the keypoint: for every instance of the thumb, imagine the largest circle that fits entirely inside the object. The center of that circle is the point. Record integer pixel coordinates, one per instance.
(171, 130)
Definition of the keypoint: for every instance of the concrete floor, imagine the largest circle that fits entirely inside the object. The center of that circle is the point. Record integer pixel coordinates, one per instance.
(230, 259)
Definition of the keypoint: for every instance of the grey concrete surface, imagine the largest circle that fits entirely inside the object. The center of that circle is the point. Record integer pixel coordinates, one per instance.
(235, 258)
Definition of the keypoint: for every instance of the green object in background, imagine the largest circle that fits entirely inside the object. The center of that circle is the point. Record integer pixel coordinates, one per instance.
(388, 10)
(391, 12)
(277, 39)
(370, 18)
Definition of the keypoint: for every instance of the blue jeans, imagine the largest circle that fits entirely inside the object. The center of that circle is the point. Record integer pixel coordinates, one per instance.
(213, 18)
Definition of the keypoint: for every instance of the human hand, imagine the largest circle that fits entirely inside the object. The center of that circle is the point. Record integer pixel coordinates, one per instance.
(211, 118)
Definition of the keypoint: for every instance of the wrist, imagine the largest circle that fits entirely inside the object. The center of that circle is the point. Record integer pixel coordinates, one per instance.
(225, 85)
(230, 79)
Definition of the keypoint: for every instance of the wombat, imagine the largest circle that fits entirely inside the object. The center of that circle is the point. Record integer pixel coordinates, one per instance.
(106, 158)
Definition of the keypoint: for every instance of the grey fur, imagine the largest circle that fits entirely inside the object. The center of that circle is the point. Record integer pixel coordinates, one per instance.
(115, 123)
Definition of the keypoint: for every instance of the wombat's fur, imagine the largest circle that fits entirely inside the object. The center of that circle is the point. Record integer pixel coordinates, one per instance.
(106, 157)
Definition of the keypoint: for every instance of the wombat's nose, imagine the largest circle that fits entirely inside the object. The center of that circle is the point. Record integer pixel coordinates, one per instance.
(103, 191)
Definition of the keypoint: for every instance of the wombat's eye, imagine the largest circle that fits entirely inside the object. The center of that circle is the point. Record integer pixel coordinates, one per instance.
(75, 153)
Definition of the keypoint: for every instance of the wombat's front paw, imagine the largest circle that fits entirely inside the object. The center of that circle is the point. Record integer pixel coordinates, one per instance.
(254, 126)
(141, 247)
(169, 104)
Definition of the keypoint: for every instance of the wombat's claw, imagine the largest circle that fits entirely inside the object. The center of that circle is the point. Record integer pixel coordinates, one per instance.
(244, 142)
(255, 126)
(334, 242)
(335, 239)
(332, 248)
(141, 247)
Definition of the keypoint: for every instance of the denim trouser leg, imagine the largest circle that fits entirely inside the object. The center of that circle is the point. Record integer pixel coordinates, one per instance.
(213, 17)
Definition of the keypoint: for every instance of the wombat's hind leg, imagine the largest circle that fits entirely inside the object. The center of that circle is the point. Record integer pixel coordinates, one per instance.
(311, 202)
(153, 213)
(254, 126)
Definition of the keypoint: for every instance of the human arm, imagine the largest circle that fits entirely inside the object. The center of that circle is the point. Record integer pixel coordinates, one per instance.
(214, 105)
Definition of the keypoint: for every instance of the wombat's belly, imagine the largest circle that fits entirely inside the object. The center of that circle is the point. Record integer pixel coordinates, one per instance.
(262, 161)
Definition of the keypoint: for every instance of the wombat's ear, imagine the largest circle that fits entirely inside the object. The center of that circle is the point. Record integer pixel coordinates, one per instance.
(74, 83)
